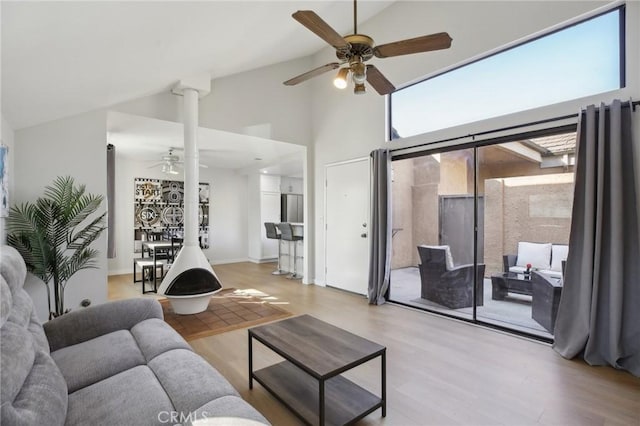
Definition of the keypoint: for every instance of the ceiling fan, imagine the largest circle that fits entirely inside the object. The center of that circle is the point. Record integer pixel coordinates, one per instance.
(171, 163)
(356, 49)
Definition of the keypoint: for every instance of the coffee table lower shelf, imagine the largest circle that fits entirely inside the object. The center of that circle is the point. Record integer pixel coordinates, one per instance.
(345, 401)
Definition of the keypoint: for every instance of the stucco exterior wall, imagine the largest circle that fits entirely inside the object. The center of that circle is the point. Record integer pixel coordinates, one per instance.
(531, 208)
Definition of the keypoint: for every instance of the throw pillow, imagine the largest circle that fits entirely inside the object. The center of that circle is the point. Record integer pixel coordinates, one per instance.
(537, 254)
(559, 253)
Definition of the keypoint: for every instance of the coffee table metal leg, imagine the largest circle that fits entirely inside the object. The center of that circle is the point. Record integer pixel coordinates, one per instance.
(321, 413)
(250, 362)
(384, 383)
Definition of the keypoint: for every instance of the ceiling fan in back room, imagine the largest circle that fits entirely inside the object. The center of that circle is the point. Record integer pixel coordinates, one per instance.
(171, 163)
(356, 49)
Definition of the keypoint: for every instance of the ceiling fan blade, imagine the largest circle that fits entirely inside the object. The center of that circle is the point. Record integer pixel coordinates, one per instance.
(413, 45)
(156, 165)
(378, 81)
(310, 74)
(316, 24)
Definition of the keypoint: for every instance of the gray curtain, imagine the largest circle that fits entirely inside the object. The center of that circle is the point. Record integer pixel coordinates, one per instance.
(599, 312)
(111, 201)
(380, 227)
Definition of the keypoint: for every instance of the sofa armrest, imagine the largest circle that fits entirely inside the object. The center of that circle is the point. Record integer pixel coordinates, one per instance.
(86, 324)
(508, 261)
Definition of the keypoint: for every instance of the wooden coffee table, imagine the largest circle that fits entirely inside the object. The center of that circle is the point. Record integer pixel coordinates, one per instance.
(309, 380)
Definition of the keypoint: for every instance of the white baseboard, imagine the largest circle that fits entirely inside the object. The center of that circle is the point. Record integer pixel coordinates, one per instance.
(225, 261)
(269, 260)
(319, 282)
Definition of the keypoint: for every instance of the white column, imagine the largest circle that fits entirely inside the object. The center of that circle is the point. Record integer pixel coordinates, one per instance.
(191, 167)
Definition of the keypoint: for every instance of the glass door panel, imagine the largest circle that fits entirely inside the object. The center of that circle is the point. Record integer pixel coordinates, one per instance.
(433, 220)
(526, 189)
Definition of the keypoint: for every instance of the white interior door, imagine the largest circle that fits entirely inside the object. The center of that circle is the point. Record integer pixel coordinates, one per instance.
(347, 225)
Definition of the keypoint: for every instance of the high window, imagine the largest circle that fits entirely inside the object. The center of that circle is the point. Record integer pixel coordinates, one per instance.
(580, 60)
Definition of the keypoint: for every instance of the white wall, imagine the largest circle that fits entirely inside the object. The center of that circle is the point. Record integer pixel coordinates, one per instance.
(76, 147)
(7, 140)
(241, 101)
(475, 27)
(227, 213)
(264, 201)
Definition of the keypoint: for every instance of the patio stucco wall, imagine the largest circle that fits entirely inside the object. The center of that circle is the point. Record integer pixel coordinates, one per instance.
(417, 185)
(402, 214)
(532, 208)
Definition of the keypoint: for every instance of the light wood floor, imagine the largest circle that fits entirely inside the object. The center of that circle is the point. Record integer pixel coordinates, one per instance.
(439, 371)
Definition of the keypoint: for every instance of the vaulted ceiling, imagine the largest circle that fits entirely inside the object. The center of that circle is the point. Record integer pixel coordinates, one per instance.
(65, 58)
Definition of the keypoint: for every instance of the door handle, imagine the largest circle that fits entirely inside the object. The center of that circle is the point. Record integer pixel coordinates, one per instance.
(363, 235)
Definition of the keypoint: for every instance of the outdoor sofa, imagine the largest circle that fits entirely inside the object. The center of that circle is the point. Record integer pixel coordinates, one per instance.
(546, 258)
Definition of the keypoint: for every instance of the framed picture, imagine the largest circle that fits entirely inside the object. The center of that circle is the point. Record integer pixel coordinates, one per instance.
(4, 181)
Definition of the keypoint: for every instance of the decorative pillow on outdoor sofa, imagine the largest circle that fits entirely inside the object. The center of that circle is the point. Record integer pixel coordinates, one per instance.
(559, 253)
(537, 254)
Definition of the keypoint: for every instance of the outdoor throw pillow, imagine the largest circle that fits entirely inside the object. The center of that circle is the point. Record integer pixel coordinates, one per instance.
(537, 254)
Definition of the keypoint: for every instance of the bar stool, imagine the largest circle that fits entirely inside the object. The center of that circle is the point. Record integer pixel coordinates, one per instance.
(286, 233)
(272, 234)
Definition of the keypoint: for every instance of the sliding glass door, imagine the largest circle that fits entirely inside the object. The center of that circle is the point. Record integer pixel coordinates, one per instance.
(432, 265)
(508, 274)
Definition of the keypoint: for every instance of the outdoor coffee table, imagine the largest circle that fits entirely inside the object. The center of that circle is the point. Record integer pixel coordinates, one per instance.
(510, 282)
(309, 380)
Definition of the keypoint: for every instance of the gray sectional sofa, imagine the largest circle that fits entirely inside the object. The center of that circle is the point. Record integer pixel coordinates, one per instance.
(114, 364)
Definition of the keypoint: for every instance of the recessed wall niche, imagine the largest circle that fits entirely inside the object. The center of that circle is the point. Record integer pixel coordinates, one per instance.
(159, 211)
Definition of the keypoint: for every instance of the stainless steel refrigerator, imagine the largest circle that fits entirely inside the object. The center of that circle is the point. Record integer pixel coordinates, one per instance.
(291, 207)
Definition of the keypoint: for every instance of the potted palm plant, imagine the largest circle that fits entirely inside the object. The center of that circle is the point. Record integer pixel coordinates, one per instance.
(54, 235)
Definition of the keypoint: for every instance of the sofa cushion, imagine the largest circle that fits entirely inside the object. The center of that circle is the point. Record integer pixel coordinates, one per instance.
(226, 410)
(189, 380)
(154, 336)
(551, 273)
(22, 308)
(18, 355)
(12, 268)
(33, 389)
(89, 362)
(35, 328)
(132, 397)
(6, 301)
(559, 253)
(537, 254)
(518, 269)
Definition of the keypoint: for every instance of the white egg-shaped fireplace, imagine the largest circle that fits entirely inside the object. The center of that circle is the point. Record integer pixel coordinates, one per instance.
(190, 281)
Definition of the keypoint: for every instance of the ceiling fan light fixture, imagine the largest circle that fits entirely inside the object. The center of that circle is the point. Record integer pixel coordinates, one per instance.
(359, 89)
(341, 78)
(359, 73)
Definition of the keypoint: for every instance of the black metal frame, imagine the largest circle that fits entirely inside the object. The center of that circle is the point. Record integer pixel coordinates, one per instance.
(475, 146)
